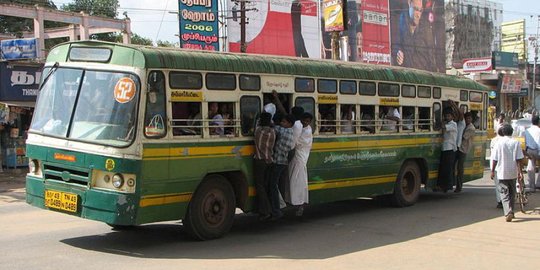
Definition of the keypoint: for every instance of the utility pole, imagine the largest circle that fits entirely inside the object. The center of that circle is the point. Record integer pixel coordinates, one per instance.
(534, 64)
(243, 46)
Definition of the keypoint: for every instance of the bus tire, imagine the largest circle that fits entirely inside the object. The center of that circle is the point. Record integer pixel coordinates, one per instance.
(210, 213)
(407, 186)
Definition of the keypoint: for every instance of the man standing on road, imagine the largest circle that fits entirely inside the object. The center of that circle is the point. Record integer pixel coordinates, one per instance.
(532, 143)
(507, 163)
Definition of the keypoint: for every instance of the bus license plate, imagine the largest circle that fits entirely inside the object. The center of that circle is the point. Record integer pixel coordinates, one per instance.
(61, 200)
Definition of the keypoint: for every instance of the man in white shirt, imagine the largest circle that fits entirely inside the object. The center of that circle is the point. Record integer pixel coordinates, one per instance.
(532, 143)
(448, 153)
(391, 119)
(507, 162)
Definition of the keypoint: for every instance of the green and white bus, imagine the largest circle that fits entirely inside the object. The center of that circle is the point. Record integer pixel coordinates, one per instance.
(121, 134)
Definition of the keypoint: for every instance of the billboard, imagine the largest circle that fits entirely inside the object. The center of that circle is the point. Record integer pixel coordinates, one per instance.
(18, 82)
(375, 32)
(278, 27)
(15, 49)
(199, 24)
(513, 38)
(418, 34)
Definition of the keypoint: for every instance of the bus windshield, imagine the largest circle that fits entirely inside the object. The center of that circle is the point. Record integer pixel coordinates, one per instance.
(86, 105)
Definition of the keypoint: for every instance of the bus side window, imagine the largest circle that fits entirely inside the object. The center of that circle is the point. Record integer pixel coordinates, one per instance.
(186, 118)
(477, 118)
(424, 117)
(367, 119)
(250, 106)
(327, 116)
(437, 116)
(348, 119)
(308, 104)
(154, 117)
(408, 122)
(221, 118)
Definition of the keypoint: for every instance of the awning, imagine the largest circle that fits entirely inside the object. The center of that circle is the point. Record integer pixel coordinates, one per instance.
(28, 104)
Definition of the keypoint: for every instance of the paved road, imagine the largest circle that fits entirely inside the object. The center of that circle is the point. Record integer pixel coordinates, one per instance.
(442, 231)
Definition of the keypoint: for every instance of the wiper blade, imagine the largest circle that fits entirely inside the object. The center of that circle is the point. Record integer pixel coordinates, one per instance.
(51, 71)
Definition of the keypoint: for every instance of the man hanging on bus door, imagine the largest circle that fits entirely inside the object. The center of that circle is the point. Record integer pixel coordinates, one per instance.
(448, 152)
(265, 137)
(284, 144)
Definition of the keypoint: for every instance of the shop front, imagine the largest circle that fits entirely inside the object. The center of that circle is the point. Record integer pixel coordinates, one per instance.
(19, 83)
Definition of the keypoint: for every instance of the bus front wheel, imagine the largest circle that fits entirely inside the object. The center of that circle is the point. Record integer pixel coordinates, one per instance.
(211, 211)
(407, 186)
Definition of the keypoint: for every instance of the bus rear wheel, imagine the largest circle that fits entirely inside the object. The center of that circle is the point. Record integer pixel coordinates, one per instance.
(407, 186)
(211, 211)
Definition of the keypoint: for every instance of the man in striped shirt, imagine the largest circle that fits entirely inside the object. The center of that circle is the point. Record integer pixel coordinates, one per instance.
(265, 137)
(284, 143)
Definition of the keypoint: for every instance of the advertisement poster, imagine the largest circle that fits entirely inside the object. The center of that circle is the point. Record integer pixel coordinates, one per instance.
(511, 84)
(199, 25)
(277, 27)
(14, 49)
(418, 34)
(333, 15)
(19, 83)
(375, 32)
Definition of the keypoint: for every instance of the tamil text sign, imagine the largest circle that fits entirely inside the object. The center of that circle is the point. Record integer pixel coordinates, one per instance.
(13, 49)
(18, 82)
(199, 24)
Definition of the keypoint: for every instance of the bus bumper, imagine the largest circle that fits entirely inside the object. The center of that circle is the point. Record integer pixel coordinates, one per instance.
(110, 207)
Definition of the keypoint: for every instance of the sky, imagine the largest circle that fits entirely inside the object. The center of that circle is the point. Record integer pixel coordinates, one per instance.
(151, 18)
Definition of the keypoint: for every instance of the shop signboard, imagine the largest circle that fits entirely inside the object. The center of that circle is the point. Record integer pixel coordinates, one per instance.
(477, 64)
(505, 60)
(511, 84)
(15, 49)
(19, 82)
(199, 28)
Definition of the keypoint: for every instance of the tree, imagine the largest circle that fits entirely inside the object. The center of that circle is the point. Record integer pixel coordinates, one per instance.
(103, 8)
(136, 39)
(17, 26)
(165, 43)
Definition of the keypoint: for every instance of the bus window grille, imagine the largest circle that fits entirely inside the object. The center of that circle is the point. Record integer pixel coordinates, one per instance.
(52, 172)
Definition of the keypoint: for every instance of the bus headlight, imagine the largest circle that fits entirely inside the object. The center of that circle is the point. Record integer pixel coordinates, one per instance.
(34, 168)
(117, 181)
(120, 182)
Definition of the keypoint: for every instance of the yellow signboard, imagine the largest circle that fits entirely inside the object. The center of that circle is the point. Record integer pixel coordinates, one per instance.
(476, 107)
(186, 95)
(327, 99)
(333, 15)
(389, 101)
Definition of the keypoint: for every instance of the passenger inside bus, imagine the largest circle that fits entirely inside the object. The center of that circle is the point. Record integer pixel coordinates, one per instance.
(390, 117)
(348, 116)
(327, 114)
(216, 119)
(186, 118)
(408, 119)
(424, 118)
(367, 121)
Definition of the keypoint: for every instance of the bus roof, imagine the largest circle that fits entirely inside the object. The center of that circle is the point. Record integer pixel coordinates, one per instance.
(174, 58)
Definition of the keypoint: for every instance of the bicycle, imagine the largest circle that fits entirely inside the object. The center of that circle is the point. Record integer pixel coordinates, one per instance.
(521, 194)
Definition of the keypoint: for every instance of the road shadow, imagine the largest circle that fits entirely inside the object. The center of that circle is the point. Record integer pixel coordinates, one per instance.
(325, 231)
